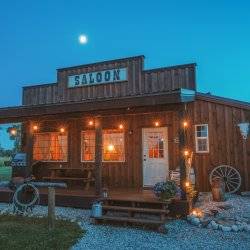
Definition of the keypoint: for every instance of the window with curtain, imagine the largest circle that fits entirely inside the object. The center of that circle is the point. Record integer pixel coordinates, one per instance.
(113, 146)
(88, 146)
(50, 146)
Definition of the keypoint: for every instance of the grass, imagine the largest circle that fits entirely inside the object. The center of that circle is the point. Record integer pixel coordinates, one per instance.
(17, 232)
(3, 159)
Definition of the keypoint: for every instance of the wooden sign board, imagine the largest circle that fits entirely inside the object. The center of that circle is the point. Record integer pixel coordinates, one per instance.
(98, 77)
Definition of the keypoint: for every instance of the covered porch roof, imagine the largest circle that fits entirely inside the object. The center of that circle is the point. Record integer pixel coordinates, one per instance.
(22, 113)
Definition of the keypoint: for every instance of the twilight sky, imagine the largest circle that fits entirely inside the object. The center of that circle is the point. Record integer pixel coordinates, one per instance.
(37, 37)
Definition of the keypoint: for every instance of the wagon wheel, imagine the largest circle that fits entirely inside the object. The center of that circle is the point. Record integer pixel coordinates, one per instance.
(229, 175)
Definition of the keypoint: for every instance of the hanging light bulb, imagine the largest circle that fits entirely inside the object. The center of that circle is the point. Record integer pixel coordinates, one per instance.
(62, 130)
(91, 123)
(13, 132)
(35, 128)
(157, 124)
(185, 124)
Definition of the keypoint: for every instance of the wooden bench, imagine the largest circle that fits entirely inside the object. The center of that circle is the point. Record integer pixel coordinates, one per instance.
(69, 175)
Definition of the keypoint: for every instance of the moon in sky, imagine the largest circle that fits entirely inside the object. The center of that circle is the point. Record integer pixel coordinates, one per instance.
(83, 39)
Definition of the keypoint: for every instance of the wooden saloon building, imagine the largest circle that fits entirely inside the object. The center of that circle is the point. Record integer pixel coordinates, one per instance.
(114, 124)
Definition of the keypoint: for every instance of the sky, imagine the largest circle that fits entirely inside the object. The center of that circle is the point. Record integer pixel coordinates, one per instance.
(37, 37)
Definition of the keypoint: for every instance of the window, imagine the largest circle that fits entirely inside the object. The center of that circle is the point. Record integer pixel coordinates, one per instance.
(113, 146)
(155, 145)
(88, 145)
(201, 138)
(50, 147)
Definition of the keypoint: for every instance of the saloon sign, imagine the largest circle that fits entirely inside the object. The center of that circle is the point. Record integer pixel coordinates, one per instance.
(98, 77)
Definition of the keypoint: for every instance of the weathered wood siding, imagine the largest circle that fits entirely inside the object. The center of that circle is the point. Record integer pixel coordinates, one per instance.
(226, 145)
(139, 82)
(117, 174)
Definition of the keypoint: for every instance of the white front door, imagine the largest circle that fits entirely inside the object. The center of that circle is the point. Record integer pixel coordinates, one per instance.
(155, 155)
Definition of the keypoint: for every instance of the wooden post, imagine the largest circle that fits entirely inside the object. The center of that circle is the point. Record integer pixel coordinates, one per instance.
(182, 145)
(98, 156)
(51, 207)
(29, 146)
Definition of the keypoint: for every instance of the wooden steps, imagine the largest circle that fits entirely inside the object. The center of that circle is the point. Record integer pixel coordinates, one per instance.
(135, 209)
(149, 213)
(130, 220)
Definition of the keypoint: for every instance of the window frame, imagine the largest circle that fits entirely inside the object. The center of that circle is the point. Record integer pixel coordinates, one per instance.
(52, 161)
(201, 137)
(83, 161)
(124, 152)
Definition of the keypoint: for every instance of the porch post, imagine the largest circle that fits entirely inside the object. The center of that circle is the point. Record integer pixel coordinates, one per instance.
(98, 155)
(29, 145)
(182, 145)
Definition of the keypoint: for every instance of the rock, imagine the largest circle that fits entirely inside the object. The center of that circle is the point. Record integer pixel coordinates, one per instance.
(235, 228)
(205, 222)
(246, 193)
(209, 226)
(225, 206)
(225, 229)
(240, 227)
(190, 217)
(214, 225)
(195, 221)
(246, 228)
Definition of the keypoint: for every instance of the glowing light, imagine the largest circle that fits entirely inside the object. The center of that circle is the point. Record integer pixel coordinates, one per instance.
(197, 213)
(186, 153)
(187, 184)
(194, 213)
(62, 130)
(111, 147)
(83, 39)
(157, 124)
(121, 126)
(35, 127)
(13, 132)
(91, 123)
(185, 124)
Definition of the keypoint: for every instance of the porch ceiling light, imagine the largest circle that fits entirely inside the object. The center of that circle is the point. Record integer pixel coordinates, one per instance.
(186, 153)
(121, 126)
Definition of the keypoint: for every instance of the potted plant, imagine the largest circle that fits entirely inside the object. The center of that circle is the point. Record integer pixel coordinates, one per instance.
(165, 190)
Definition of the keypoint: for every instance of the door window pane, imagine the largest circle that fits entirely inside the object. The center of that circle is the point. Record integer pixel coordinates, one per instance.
(155, 145)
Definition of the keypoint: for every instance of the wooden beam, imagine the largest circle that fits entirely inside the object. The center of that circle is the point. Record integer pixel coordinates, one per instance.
(51, 208)
(182, 145)
(98, 155)
(25, 112)
(29, 145)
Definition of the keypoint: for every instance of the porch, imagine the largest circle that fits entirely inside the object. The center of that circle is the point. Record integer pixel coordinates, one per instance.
(79, 198)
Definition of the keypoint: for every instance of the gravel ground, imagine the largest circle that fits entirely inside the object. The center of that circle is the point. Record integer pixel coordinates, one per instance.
(181, 235)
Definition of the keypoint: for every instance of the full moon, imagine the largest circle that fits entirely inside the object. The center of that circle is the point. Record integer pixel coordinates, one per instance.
(83, 39)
